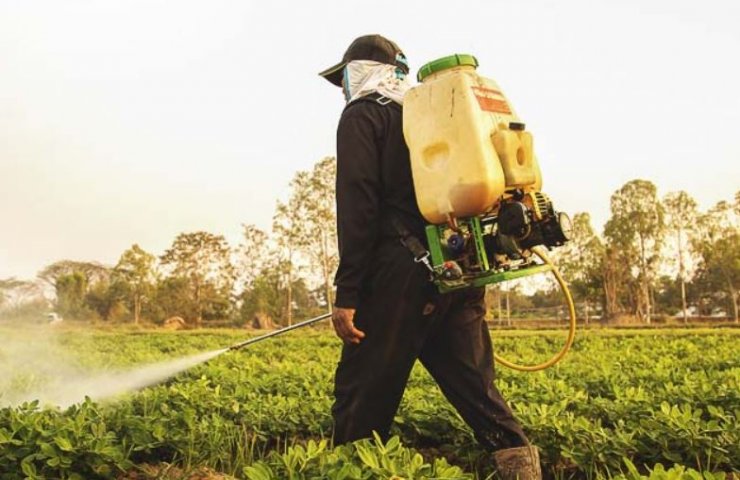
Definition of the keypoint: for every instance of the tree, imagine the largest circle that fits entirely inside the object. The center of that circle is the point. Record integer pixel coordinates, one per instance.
(581, 261)
(668, 294)
(21, 296)
(92, 271)
(171, 297)
(136, 275)
(7, 286)
(681, 214)
(71, 280)
(289, 229)
(636, 229)
(70, 291)
(253, 254)
(718, 242)
(261, 295)
(204, 261)
(320, 223)
(616, 275)
(106, 299)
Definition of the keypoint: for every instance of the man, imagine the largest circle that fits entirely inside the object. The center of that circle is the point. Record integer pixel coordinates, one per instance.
(387, 311)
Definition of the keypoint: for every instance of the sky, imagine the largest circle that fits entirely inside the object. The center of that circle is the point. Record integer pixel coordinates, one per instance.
(127, 122)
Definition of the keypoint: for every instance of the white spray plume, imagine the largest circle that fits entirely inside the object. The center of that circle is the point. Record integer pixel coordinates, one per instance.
(112, 384)
(62, 384)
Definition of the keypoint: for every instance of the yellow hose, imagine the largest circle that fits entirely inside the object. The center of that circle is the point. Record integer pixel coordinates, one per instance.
(572, 326)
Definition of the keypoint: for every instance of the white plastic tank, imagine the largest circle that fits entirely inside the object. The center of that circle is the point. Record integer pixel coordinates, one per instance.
(466, 142)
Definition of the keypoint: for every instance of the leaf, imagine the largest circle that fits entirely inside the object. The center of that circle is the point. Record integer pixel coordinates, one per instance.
(64, 444)
(634, 473)
(258, 471)
(367, 456)
(29, 469)
(48, 450)
(393, 444)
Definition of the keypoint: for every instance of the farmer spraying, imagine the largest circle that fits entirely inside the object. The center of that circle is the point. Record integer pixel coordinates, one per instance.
(387, 311)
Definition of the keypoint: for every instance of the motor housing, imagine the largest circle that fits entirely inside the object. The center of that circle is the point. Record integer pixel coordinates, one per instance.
(531, 220)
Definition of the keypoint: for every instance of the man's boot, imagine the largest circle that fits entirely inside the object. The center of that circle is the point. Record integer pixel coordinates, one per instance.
(521, 463)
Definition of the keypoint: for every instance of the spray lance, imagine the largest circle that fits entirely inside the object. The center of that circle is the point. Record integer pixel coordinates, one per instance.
(280, 331)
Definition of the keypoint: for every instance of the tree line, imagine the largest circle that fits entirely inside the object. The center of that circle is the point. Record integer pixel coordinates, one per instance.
(269, 278)
(656, 256)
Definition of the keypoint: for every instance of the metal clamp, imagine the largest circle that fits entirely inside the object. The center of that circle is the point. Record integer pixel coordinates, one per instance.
(425, 260)
(384, 100)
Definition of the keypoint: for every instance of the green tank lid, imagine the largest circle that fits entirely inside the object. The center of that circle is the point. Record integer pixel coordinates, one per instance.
(457, 60)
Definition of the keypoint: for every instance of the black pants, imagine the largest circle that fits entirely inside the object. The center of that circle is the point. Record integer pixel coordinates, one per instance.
(404, 319)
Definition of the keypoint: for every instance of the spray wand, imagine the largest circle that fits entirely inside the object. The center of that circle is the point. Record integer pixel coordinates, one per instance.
(298, 325)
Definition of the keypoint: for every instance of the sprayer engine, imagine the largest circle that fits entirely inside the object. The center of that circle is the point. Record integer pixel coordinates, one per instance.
(525, 221)
(496, 247)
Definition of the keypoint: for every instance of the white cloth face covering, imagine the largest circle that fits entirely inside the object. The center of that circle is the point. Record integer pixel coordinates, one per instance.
(363, 77)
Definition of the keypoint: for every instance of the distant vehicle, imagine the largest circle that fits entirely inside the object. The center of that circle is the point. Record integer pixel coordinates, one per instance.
(54, 318)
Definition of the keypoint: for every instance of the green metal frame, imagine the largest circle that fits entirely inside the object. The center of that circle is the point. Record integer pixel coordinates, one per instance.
(480, 249)
(435, 234)
(435, 245)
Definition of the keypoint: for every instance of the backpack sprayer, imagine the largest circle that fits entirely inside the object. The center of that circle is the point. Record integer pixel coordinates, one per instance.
(477, 184)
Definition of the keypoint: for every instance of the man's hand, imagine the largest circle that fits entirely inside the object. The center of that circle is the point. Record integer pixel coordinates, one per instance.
(344, 325)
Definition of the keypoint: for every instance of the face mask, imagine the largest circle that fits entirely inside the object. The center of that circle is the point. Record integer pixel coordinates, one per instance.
(345, 84)
(362, 77)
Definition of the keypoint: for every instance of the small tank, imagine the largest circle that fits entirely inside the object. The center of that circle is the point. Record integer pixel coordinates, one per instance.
(467, 145)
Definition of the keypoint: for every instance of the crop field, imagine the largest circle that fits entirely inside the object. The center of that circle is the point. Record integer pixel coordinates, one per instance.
(660, 403)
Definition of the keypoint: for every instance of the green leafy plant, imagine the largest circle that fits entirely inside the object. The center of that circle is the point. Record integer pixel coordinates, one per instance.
(623, 403)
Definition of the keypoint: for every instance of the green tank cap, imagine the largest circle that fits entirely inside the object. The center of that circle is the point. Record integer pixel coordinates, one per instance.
(457, 60)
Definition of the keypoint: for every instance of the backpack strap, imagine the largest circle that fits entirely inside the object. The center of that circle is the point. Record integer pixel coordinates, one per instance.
(373, 97)
(408, 240)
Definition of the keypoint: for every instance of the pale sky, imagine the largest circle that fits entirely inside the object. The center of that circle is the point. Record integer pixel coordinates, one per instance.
(131, 121)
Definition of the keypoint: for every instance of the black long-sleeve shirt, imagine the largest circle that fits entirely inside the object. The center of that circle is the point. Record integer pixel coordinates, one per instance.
(373, 184)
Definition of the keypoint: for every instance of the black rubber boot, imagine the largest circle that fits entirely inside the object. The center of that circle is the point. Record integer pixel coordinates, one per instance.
(521, 463)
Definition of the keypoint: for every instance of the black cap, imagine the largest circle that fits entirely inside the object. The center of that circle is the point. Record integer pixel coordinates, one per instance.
(368, 47)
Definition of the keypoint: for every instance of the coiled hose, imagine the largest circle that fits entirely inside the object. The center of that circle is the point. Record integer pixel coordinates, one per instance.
(572, 323)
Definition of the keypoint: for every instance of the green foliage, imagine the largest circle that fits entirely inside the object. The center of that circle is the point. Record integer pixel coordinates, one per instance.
(36, 444)
(92, 271)
(677, 472)
(171, 298)
(107, 300)
(668, 295)
(365, 459)
(581, 261)
(304, 231)
(203, 260)
(262, 297)
(71, 290)
(718, 243)
(319, 227)
(635, 231)
(670, 397)
(135, 275)
(266, 296)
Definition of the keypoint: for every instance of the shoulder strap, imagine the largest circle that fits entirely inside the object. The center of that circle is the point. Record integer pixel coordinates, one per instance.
(373, 97)
(408, 240)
